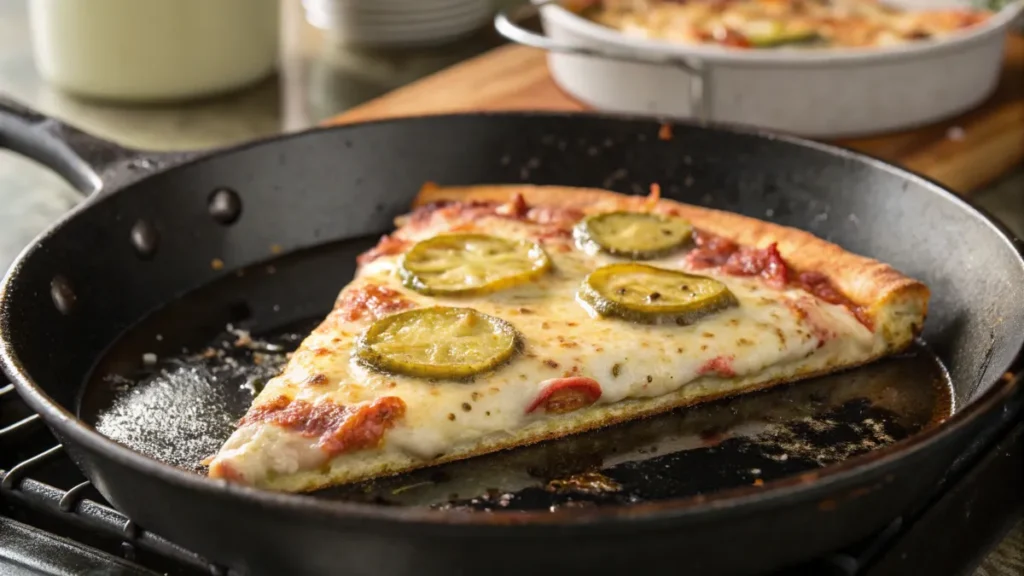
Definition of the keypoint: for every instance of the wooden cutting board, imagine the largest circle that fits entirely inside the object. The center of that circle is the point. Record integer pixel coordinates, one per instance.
(965, 153)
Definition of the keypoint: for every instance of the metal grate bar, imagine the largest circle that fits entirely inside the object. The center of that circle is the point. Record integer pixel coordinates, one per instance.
(18, 488)
(19, 425)
(69, 501)
(97, 517)
(11, 478)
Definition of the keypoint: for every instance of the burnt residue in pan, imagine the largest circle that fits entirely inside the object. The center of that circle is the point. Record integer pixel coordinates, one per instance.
(745, 441)
(173, 387)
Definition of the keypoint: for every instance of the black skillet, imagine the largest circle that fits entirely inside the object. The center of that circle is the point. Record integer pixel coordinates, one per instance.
(738, 487)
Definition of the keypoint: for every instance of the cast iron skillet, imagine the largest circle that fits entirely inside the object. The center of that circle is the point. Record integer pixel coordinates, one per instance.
(158, 227)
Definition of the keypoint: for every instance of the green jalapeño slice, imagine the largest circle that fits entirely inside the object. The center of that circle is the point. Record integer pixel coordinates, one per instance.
(778, 34)
(439, 343)
(649, 295)
(635, 235)
(465, 264)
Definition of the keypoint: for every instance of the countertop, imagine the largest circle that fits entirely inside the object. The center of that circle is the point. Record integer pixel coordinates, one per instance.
(317, 79)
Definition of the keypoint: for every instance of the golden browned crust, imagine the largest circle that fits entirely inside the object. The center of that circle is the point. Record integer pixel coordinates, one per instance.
(897, 302)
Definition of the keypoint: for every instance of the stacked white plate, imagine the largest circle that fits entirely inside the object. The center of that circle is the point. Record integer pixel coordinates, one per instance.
(395, 23)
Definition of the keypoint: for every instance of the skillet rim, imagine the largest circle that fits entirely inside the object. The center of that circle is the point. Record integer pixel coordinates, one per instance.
(808, 486)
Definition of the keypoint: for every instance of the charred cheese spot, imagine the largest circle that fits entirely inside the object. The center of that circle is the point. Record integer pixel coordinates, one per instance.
(371, 301)
(387, 246)
(316, 380)
(566, 343)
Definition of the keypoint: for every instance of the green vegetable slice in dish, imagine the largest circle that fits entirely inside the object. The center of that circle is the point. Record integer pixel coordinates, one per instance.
(636, 235)
(778, 35)
(439, 343)
(470, 264)
(649, 295)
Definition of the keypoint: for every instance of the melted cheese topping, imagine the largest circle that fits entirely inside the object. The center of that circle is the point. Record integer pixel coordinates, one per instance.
(740, 23)
(778, 333)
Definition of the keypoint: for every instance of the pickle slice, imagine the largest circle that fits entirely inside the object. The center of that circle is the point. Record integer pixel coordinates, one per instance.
(438, 342)
(650, 295)
(462, 264)
(636, 235)
(779, 35)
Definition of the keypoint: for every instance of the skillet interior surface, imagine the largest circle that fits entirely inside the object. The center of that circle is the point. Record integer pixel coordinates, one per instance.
(180, 406)
(344, 185)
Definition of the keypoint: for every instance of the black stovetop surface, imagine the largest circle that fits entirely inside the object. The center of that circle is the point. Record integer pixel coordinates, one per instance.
(53, 522)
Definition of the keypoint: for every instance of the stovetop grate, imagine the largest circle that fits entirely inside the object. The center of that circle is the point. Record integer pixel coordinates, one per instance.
(77, 512)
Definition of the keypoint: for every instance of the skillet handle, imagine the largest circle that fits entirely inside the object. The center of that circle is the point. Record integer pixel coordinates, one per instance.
(88, 163)
(508, 23)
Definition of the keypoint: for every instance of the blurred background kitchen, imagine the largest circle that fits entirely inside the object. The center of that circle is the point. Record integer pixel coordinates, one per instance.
(280, 66)
(254, 68)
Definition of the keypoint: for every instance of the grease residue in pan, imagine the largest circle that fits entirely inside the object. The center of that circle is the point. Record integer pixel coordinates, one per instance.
(179, 402)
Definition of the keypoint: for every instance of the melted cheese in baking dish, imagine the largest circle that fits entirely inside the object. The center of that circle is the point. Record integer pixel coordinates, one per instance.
(774, 23)
(771, 335)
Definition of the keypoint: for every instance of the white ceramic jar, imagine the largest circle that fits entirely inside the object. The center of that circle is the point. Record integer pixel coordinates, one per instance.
(154, 50)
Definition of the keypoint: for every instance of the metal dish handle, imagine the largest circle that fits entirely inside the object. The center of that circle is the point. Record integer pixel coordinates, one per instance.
(508, 23)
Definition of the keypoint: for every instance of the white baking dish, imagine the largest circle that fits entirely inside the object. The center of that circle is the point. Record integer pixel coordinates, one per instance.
(814, 92)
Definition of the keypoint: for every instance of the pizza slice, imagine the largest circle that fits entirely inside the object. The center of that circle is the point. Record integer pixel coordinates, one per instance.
(500, 316)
